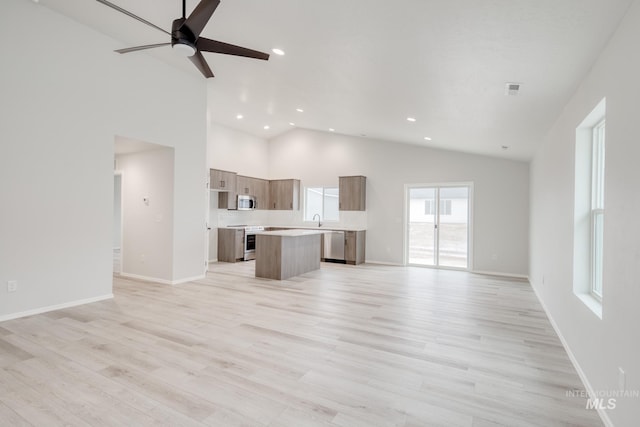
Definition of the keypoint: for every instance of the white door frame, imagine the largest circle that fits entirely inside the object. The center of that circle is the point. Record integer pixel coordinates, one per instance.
(121, 175)
(207, 224)
(405, 229)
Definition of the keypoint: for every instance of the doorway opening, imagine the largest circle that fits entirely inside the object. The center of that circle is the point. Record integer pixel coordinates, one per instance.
(438, 225)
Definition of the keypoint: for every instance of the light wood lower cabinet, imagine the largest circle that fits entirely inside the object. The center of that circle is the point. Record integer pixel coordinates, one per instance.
(354, 247)
(230, 244)
(281, 255)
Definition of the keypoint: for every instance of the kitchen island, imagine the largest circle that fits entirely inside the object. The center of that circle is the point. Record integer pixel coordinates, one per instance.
(283, 254)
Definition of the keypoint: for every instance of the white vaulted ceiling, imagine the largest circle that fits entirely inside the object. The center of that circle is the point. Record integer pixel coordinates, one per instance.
(362, 67)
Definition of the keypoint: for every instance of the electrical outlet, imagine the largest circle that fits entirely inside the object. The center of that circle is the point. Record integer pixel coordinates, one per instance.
(622, 379)
(12, 285)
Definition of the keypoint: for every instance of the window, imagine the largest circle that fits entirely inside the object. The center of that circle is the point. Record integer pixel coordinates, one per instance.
(321, 201)
(597, 208)
(588, 231)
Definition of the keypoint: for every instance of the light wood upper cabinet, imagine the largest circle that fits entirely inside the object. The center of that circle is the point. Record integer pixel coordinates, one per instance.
(259, 188)
(284, 194)
(262, 193)
(243, 185)
(225, 183)
(353, 193)
(279, 194)
(222, 180)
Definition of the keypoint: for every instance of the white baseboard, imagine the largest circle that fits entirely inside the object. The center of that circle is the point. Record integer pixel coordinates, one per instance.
(393, 264)
(499, 274)
(161, 281)
(583, 377)
(213, 261)
(55, 307)
(145, 278)
(189, 279)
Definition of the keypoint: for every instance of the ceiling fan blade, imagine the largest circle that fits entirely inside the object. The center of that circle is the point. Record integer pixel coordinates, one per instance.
(126, 12)
(200, 16)
(199, 61)
(136, 48)
(207, 45)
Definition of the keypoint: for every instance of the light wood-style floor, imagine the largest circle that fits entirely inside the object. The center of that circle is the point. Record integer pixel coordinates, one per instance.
(341, 346)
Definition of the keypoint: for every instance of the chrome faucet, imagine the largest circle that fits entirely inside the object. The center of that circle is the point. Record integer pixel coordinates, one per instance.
(314, 217)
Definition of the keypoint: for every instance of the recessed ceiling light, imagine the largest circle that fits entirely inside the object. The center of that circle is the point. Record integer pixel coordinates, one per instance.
(411, 119)
(239, 116)
(266, 127)
(277, 51)
(427, 138)
(332, 130)
(292, 124)
(299, 110)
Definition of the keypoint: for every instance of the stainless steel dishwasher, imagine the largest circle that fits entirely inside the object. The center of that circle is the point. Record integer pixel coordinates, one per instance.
(334, 246)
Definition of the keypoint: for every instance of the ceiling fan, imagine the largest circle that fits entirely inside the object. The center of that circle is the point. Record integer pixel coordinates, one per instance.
(185, 36)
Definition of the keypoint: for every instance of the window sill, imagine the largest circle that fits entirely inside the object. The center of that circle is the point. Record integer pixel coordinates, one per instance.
(592, 303)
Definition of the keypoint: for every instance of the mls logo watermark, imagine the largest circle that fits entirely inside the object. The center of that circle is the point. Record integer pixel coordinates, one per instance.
(602, 399)
(601, 403)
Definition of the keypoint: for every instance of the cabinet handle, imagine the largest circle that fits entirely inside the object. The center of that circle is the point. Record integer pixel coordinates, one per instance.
(222, 184)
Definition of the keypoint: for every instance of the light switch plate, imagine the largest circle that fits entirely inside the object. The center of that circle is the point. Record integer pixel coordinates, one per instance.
(12, 285)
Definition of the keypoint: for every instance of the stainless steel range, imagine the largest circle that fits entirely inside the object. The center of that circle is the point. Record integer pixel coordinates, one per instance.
(249, 239)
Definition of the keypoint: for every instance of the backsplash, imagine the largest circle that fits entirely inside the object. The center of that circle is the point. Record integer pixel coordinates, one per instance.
(225, 218)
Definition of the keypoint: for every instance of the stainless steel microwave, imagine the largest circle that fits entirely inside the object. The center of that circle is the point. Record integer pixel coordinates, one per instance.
(246, 203)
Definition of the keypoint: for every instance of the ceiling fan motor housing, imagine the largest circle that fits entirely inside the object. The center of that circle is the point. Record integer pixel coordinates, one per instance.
(180, 34)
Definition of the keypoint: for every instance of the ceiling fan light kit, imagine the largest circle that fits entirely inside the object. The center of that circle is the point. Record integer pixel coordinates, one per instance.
(184, 49)
(185, 36)
(182, 40)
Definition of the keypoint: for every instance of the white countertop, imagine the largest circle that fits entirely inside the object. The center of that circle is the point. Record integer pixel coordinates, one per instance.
(296, 232)
(323, 228)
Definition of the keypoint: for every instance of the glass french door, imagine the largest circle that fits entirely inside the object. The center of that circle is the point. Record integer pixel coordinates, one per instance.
(438, 226)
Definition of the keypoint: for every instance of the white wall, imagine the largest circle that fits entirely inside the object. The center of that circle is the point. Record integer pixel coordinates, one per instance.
(599, 346)
(62, 105)
(501, 190)
(147, 216)
(236, 151)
